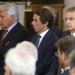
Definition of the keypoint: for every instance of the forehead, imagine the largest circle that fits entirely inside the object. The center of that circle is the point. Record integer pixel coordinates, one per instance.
(70, 14)
(3, 12)
(35, 16)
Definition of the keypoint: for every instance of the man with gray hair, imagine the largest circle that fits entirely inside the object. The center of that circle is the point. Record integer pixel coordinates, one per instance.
(54, 27)
(23, 62)
(12, 31)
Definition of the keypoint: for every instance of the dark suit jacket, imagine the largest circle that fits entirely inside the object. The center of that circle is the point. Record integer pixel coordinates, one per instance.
(56, 31)
(53, 67)
(65, 73)
(18, 34)
(46, 52)
(66, 33)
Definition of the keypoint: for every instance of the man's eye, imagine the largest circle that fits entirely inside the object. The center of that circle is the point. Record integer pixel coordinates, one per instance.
(2, 16)
(35, 20)
(71, 19)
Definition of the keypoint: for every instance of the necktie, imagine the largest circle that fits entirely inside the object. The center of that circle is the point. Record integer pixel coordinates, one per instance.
(3, 35)
(37, 40)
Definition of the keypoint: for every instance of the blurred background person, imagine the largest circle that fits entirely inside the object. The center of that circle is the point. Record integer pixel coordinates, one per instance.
(54, 27)
(20, 60)
(65, 46)
(12, 31)
(72, 63)
(29, 47)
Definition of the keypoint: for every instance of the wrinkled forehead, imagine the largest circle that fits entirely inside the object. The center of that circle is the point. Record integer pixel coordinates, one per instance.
(70, 14)
(2, 12)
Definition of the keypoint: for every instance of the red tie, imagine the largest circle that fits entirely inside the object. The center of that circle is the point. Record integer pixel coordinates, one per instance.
(3, 35)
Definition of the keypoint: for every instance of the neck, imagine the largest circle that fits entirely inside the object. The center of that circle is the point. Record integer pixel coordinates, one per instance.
(66, 63)
(72, 31)
(43, 30)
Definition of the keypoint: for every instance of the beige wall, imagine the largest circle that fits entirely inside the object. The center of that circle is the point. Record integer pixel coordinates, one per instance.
(68, 3)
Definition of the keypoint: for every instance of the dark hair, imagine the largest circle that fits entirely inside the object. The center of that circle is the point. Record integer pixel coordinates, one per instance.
(71, 9)
(72, 59)
(45, 16)
(66, 44)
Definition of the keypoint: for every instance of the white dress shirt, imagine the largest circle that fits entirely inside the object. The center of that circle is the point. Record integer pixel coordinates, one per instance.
(66, 68)
(10, 29)
(73, 34)
(42, 36)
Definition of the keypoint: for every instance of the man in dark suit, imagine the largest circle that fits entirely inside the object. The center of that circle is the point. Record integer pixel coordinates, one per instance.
(53, 67)
(65, 46)
(54, 28)
(9, 17)
(42, 21)
(70, 22)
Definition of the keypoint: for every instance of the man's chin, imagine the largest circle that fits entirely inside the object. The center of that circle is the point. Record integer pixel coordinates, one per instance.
(69, 29)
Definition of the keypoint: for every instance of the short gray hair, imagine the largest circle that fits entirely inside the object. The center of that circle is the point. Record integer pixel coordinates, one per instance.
(29, 47)
(11, 9)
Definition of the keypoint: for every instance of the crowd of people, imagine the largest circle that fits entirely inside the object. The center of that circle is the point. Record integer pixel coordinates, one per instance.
(49, 52)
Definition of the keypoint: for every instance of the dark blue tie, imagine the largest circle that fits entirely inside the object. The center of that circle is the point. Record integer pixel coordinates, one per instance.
(37, 40)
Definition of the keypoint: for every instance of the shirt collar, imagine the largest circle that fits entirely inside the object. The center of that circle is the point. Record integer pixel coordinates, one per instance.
(73, 34)
(66, 68)
(11, 26)
(43, 33)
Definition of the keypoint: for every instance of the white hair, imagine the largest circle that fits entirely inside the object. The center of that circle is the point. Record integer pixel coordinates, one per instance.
(21, 61)
(11, 9)
(29, 47)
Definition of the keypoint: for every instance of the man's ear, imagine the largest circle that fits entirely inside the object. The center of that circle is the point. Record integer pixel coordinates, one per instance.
(46, 24)
(12, 17)
(63, 56)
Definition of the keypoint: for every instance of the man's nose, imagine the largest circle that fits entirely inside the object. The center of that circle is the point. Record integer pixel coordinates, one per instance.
(32, 23)
(67, 21)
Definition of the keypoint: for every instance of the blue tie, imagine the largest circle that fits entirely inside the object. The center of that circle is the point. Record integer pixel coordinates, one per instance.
(37, 40)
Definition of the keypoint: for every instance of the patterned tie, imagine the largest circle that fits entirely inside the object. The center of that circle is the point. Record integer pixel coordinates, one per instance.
(37, 40)
(3, 35)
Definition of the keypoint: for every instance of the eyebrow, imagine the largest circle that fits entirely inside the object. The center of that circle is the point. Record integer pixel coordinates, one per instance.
(34, 19)
(69, 17)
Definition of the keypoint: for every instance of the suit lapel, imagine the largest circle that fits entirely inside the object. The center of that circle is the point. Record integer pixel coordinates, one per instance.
(44, 42)
(10, 34)
(68, 32)
(1, 32)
